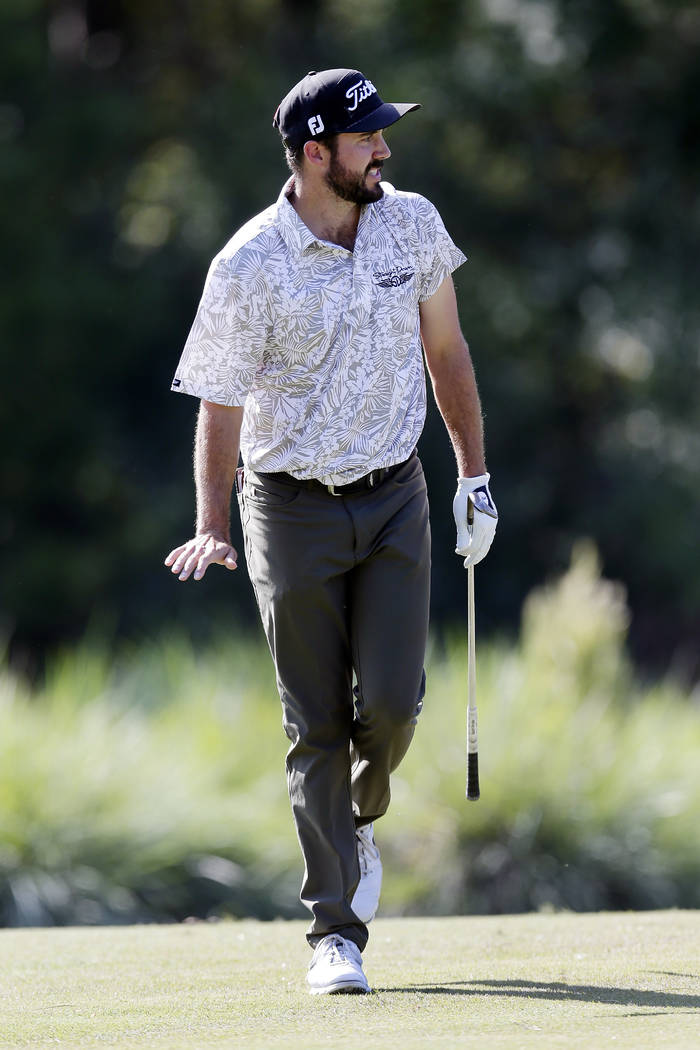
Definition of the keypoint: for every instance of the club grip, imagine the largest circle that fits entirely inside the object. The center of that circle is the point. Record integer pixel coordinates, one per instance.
(473, 776)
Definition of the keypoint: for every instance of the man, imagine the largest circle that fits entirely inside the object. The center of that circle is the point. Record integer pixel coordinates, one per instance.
(306, 354)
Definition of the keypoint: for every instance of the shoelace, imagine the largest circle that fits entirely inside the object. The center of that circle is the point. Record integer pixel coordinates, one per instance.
(338, 949)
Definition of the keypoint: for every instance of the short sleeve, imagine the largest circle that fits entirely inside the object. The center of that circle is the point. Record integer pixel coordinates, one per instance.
(226, 342)
(438, 255)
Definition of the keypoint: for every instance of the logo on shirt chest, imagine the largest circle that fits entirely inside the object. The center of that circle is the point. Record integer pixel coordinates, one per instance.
(393, 278)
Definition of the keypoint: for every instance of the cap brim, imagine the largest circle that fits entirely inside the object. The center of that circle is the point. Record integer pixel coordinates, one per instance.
(382, 117)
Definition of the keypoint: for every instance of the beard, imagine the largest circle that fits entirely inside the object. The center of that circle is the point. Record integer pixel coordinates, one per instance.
(351, 187)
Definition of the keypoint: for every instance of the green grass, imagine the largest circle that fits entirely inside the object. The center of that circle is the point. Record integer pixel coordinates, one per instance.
(628, 980)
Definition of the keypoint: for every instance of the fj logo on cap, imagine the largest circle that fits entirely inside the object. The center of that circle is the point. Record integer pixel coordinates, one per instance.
(359, 92)
(315, 124)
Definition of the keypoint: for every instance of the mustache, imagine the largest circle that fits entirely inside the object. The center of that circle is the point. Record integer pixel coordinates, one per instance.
(377, 164)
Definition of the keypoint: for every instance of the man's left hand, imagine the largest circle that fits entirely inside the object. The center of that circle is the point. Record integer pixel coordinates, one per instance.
(476, 524)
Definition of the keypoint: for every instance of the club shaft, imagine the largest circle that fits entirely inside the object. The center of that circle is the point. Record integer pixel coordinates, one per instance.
(473, 790)
(471, 695)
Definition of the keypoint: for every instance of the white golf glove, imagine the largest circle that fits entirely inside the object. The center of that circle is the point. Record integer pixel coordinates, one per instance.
(476, 518)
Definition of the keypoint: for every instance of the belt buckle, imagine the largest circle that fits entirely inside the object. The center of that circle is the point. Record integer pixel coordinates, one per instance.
(331, 489)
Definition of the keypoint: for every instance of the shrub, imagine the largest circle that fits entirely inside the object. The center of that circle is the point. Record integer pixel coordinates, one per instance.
(149, 786)
(590, 780)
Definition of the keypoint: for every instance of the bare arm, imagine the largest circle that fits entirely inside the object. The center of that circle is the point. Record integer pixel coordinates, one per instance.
(216, 449)
(452, 375)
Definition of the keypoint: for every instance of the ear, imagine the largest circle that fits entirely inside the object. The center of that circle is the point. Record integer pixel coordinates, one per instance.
(315, 152)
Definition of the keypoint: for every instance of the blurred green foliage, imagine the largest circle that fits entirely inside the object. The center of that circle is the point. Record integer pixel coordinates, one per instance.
(143, 790)
(559, 138)
(151, 786)
(589, 780)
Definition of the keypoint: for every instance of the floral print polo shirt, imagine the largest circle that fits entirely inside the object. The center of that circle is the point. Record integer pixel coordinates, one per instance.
(320, 344)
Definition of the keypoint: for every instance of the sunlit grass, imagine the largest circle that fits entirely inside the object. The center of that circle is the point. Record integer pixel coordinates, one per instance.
(575, 981)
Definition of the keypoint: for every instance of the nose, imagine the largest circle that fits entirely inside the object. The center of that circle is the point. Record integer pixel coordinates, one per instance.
(381, 150)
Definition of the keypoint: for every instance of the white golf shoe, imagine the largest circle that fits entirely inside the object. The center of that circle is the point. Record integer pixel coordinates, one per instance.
(366, 899)
(336, 966)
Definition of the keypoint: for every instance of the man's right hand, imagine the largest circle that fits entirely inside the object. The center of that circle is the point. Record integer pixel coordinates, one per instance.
(199, 553)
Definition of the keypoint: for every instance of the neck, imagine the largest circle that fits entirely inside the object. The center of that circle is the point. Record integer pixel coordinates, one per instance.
(328, 217)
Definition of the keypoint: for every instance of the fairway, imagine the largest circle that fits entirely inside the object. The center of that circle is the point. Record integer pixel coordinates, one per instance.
(559, 980)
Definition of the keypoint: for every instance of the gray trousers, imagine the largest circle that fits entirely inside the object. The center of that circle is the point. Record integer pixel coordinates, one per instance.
(343, 586)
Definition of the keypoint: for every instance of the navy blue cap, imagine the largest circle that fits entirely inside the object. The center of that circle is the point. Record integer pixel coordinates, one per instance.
(332, 102)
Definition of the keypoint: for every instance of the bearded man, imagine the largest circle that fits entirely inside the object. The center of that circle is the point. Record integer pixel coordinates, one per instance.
(307, 356)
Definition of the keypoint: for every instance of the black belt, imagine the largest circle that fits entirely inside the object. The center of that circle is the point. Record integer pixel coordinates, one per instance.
(367, 481)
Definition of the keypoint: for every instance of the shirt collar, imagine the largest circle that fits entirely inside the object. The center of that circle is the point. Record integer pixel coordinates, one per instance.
(296, 234)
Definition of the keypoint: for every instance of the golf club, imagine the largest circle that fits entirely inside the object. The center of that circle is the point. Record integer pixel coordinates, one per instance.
(472, 720)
